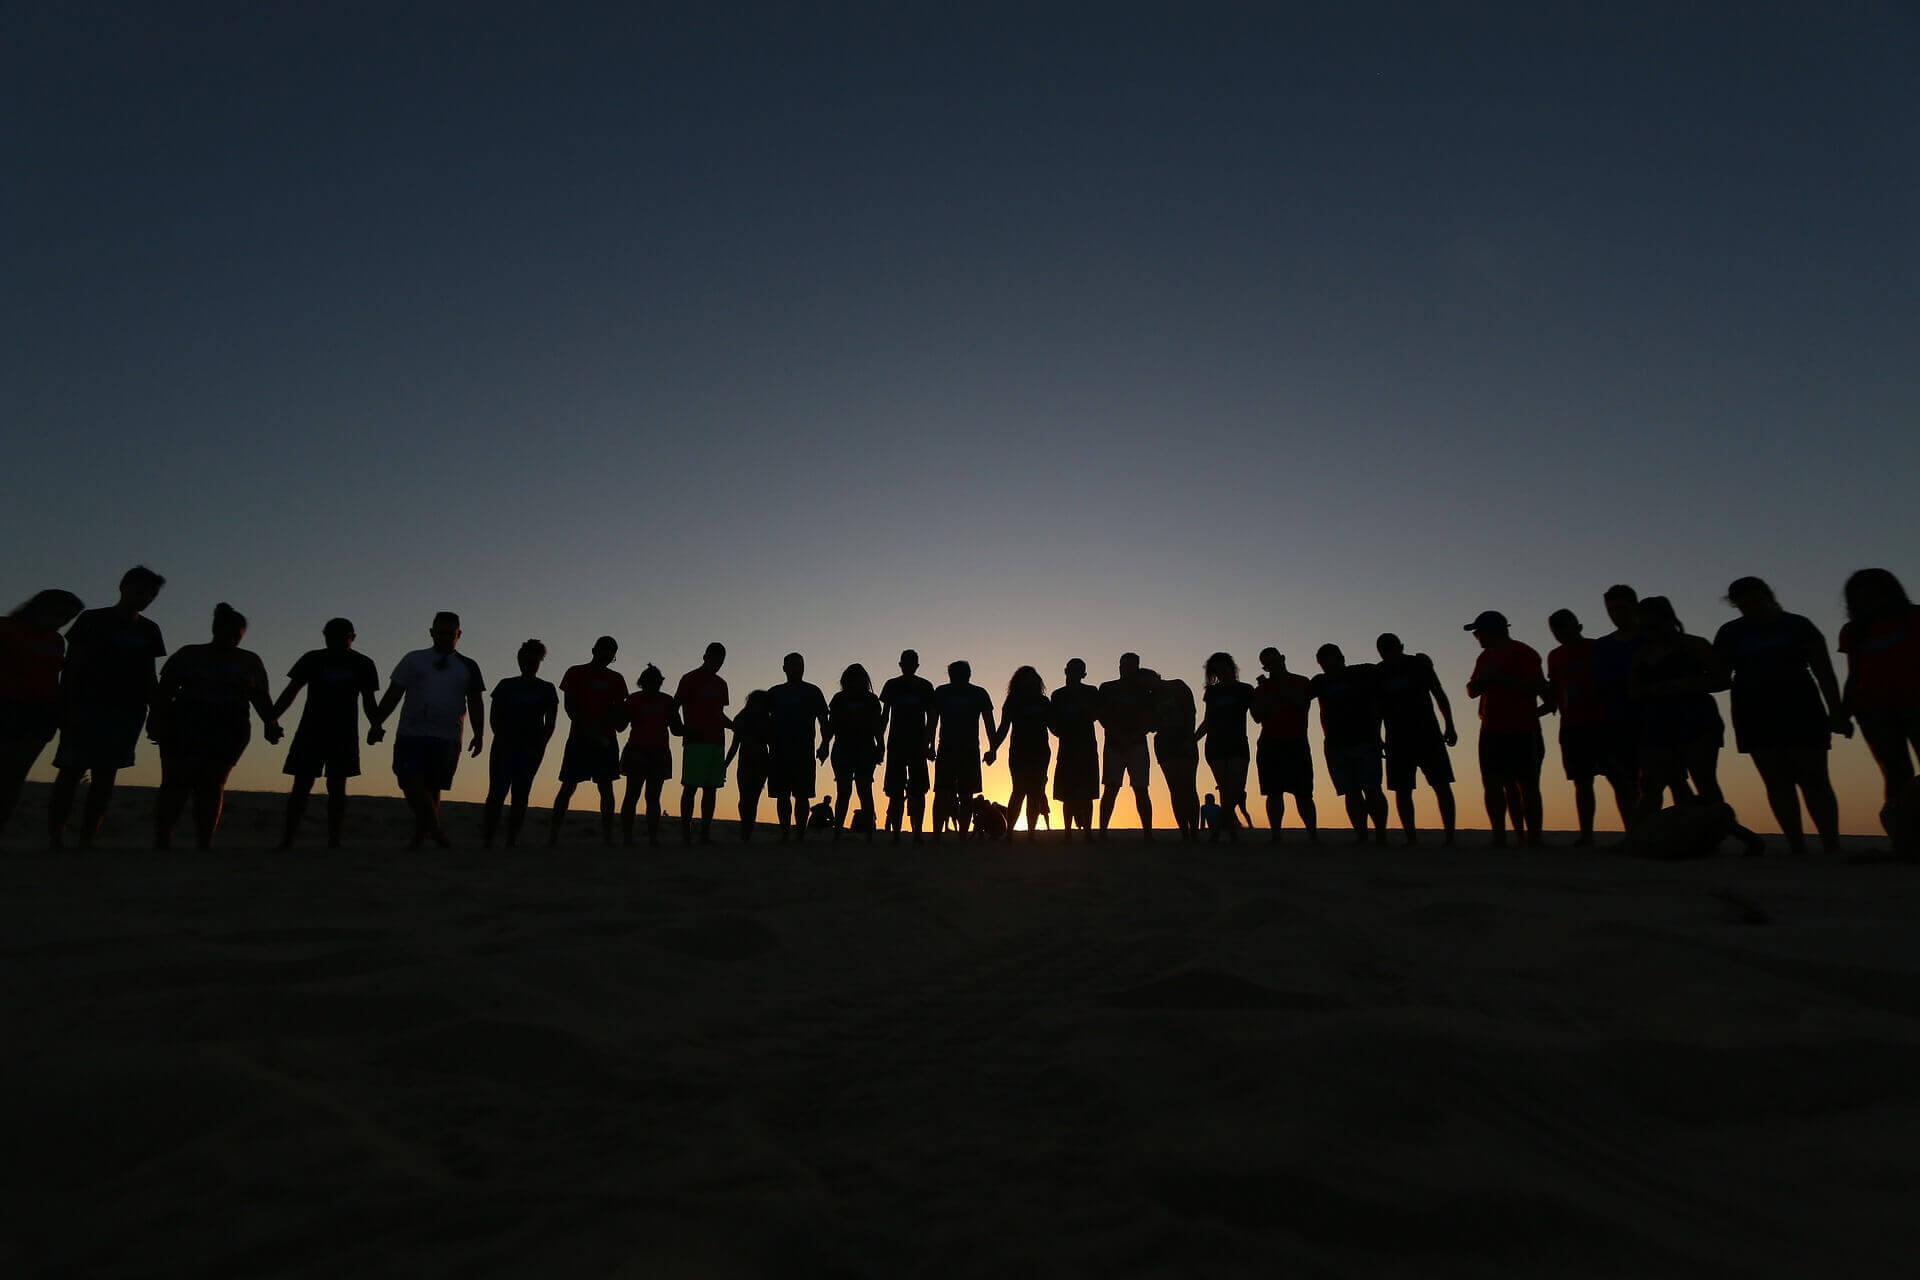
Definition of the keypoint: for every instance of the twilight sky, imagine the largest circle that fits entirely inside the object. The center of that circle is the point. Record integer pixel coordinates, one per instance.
(1007, 332)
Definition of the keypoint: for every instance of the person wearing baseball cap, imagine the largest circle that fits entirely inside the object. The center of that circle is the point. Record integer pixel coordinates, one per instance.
(1510, 683)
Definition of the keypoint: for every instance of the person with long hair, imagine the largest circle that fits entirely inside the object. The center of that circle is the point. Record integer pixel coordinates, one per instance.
(31, 654)
(1673, 680)
(647, 761)
(854, 745)
(1228, 699)
(1174, 713)
(1026, 716)
(1881, 639)
(200, 722)
(525, 710)
(1786, 704)
(107, 687)
(752, 739)
(339, 683)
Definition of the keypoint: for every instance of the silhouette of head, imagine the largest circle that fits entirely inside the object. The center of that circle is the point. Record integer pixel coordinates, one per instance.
(756, 702)
(651, 679)
(1129, 665)
(1076, 670)
(1219, 667)
(856, 680)
(959, 671)
(531, 655)
(1751, 596)
(445, 631)
(909, 662)
(1490, 628)
(338, 633)
(139, 587)
(1330, 658)
(715, 655)
(604, 649)
(795, 666)
(1272, 660)
(1565, 627)
(1026, 683)
(1209, 797)
(1388, 646)
(1873, 595)
(1623, 607)
(1657, 616)
(50, 610)
(229, 624)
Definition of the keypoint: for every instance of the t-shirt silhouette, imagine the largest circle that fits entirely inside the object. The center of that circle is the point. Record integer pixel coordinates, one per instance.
(1511, 707)
(598, 692)
(1570, 670)
(110, 657)
(855, 716)
(437, 686)
(1403, 690)
(336, 680)
(1126, 709)
(1349, 713)
(960, 707)
(1883, 659)
(650, 714)
(521, 706)
(1280, 719)
(795, 708)
(702, 696)
(30, 659)
(1228, 703)
(909, 700)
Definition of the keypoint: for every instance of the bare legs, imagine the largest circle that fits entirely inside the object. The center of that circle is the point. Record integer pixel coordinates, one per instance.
(915, 804)
(709, 797)
(60, 804)
(16, 757)
(1788, 776)
(203, 784)
(565, 797)
(1583, 808)
(336, 810)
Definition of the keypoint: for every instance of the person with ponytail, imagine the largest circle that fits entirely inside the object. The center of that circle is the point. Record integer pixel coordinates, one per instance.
(201, 725)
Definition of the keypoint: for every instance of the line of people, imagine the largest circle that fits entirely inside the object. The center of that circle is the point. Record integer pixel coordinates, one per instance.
(1634, 706)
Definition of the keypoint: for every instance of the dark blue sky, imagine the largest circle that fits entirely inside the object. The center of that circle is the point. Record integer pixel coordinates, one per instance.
(1012, 330)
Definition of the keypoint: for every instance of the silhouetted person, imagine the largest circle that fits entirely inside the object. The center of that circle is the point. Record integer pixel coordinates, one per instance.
(1209, 814)
(1408, 689)
(31, 655)
(1509, 682)
(906, 701)
(1881, 639)
(200, 721)
(1584, 742)
(1026, 716)
(1282, 757)
(1126, 713)
(1350, 725)
(1076, 773)
(106, 688)
(648, 760)
(1786, 704)
(701, 698)
(339, 683)
(593, 694)
(1674, 678)
(959, 706)
(1174, 716)
(1613, 658)
(32, 652)
(853, 743)
(796, 707)
(1229, 700)
(525, 711)
(752, 738)
(441, 688)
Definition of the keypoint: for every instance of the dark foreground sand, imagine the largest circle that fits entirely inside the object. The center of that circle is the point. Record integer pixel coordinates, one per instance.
(1049, 1060)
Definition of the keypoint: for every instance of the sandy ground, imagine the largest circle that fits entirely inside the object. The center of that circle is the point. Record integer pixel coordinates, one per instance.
(867, 1061)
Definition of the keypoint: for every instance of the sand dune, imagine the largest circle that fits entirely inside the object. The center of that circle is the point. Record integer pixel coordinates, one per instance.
(866, 1061)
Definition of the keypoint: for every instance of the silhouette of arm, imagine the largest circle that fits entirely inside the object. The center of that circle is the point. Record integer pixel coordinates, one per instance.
(933, 726)
(1822, 664)
(294, 684)
(1205, 718)
(477, 712)
(993, 734)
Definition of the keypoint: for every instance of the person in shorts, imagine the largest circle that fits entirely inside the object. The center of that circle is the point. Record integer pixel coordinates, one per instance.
(795, 707)
(1076, 767)
(1510, 683)
(525, 711)
(1025, 715)
(200, 722)
(959, 707)
(1407, 689)
(1282, 758)
(1584, 744)
(31, 654)
(853, 743)
(1350, 725)
(593, 694)
(340, 684)
(1174, 718)
(906, 700)
(648, 760)
(752, 734)
(106, 688)
(440, 688)
(1229, 701)
(701, 700)
(1126, 713)
(1614, 655)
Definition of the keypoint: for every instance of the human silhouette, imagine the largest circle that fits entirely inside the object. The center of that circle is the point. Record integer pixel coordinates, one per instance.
(1786, 704)
(701, 699)
(1209, 814)
(440, 688)
(339, 684)
(1027, 717)
(959, 707)
(1174, 714)
(906, 700)
(1076, 773)
(594, 694)
(1407, 689)
(795, 708)
(752, 738)
(106, 689)
(1350, 727)
(1575, 697)
(32, 652)
(1510, 683)
(820, 817)
(647, 761)
(525, 711)
(1881, 639)
(1673, 680)
(1613, 658)
(853, 743)
(1282, 758)
(201, 725)
(1125, 707)
(1229, 700)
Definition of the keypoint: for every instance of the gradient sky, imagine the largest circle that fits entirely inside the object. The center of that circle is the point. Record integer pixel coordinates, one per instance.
(1006, 332)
